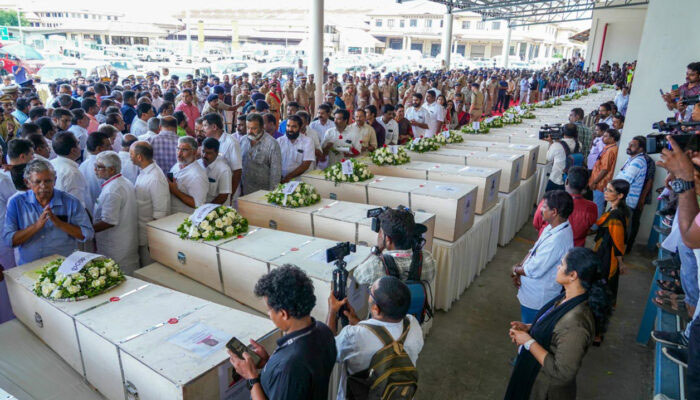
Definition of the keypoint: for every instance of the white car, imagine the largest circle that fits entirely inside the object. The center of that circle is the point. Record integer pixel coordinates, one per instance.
(65, 70)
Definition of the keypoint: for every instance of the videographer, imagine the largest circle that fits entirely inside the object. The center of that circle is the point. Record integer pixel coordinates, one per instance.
(357, 343)
(301, 366)
(398, 238)
(561, 146)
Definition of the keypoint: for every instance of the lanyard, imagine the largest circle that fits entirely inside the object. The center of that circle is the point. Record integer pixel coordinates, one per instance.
(111, 179)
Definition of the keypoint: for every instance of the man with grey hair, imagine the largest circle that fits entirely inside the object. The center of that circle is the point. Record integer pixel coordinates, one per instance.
(44, 221)
(116, 228)
(152, 193)
(189, 184)
(261, 158)
(153, 128)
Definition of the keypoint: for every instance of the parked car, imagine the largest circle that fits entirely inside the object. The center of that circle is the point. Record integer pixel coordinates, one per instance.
(66, 70)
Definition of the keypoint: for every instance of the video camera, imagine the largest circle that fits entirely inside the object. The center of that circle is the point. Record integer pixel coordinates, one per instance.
(657, 141)
(554, 131)
(690, 101)
(337, 254)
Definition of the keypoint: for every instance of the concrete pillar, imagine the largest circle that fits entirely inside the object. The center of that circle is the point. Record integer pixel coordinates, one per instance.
(446, 45)
(487, 51)
(188, 25)
(658, 66)
(316, 50)
(407, 42)
(527, 51)
(506, 47)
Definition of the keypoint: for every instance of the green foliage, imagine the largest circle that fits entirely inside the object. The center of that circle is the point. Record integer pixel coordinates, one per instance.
(9, 18)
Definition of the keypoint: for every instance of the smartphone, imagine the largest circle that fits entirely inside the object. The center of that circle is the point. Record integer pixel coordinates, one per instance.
(170, 176)
(237, 347)
(674, 87)
(661, 91)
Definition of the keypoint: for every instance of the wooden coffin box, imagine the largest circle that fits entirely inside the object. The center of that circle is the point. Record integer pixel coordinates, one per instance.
(196, 259)
(355, 192)
(487, 181)
(343, 221)
(449, 202)
(259, 212)
(129, 341)
(511, 166)
(390, 170)
(533, 139)
(444, 156)
(529, 151)
(244, 260)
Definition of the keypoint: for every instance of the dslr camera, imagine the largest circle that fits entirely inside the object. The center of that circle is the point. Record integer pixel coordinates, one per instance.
(554, 131)
(657, 141)
(690, 101)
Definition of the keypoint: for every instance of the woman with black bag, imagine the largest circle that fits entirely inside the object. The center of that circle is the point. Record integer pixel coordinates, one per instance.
(553, 347)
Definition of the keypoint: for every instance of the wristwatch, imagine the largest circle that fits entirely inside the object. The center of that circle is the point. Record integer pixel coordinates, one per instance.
(528, 344)
(251, 382)
(679, 185)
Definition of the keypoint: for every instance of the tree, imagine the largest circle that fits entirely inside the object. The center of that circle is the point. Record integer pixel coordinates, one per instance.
(9, 18)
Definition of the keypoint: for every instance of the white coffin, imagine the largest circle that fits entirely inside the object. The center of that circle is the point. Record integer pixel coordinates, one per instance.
(511, 166)
(443, 156)
(391, 170)
(245, 260)
(452, 204)
(120, 338)
(255, 208)
(531, 138)
(355, 192)
(487, 181)
(529, 151)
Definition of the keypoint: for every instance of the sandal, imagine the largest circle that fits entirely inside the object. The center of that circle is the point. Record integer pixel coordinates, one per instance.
(670, 286)
(665, 294)
(672, 307)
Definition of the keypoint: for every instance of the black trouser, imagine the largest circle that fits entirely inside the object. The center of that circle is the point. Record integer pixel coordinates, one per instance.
(553, 186)
(692, 386)
(506, 102)
(500, 100)
(634, 228)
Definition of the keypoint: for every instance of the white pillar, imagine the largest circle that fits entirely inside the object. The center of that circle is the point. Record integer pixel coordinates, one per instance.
(506, 46)
(658, 66)
(19, 27)
(527, 52)
(316, 51)
(188, 25)
(446, 45)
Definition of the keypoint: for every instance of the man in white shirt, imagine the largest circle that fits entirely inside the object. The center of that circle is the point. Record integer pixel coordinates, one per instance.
(229, 149)
(218, 172)
(436, 113)
(367, 135)
(299, 71)
(418, 116)
(391, 127)
(116, 225)
(144, 112)
(536, 275)
(189, 184)
(323, 123)
(605, 114)
(129, 170)
(356, 344)
(68, 176)
(557, 156)
(297, 150)
(342, 140)
(241, 128)
(319, 159)
(97, 143)
(153, 129)
(152, 194)
(79, 127)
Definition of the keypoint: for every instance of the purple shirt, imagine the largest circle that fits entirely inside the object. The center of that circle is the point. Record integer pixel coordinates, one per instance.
(596, 149)
(164, 149)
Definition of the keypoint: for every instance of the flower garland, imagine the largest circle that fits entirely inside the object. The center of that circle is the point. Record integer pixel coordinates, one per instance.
(96, 277)
(512, 119)
(220, 223)
(293, 194)
(469, 129)
(347, 171)
(390, 155)
(422, 144)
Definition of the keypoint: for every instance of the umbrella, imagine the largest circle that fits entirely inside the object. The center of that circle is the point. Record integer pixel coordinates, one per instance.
(23, 52)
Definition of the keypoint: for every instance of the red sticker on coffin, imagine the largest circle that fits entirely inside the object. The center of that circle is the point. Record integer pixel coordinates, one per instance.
(294, 249)
(113, 299)
(173, 321)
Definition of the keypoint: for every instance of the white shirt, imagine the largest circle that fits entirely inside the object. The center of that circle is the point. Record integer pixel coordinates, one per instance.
(437, 116)
(7, 190)
(70, 180)
(149, 134)
(219, 178)
(230, 150)
(314, 135)
(237, 136)
(421, 115)
(152, 198)
(138, 127)
(356, 345)
(295, 153)
(191, 180)
(87, 168)
(129, 170)
(557, 155)
(539, 285)
(391, 130)
(342, 141)
(117, 206)
(81, 134)
(321, 128)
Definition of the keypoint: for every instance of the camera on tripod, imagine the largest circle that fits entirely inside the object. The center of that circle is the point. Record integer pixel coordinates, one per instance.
(337, 254)
(657, 141)
(554, 131)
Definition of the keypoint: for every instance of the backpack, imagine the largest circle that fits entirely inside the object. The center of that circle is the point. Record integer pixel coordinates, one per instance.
(420, 305)
(572, 159)
(391, 374)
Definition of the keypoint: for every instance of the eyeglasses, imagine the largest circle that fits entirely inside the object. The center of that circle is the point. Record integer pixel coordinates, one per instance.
(100, 167)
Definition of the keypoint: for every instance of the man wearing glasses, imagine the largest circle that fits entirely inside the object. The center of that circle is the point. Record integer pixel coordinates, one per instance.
(44, 221)
(188, 180)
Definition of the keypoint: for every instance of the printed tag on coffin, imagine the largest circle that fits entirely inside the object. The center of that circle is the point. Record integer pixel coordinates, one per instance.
(200, 339)
(76, 261)
(394, 149)
(476, 125)
(290, 187)
(348, 167)
(201, 212)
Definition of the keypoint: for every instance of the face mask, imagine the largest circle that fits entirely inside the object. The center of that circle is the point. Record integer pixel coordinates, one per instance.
(256, 137)
(292, 136)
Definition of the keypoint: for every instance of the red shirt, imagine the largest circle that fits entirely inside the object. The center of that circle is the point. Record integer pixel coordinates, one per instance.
(581, 219)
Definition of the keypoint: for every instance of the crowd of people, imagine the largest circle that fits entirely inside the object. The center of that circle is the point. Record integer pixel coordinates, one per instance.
(89, 164)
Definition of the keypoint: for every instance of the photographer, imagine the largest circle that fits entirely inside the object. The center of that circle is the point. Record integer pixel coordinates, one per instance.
(690, 88)
(301, 366)
(561, 147)
(398, 238)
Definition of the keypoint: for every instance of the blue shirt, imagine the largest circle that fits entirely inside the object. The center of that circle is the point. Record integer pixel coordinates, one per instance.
(634, 171)
(20, 116)
(283, 127)
(23, 210)
(129, 113)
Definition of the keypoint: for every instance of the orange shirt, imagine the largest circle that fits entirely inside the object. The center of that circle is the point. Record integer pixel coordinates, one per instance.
(606, 161)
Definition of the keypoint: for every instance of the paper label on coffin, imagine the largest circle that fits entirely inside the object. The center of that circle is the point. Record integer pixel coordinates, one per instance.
(200, 339)
(348, 167)
(201, 213)
(76, 262)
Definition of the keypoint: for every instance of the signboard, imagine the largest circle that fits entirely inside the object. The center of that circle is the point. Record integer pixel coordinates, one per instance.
(4, 34)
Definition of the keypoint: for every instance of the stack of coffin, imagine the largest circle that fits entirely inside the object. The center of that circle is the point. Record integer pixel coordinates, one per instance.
(122, 341)
(530, 152)
(328, 219)
(531, 138)
(233, 266)
(453, 204)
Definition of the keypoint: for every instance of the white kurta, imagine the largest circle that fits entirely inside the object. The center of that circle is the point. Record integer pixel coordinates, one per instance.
(219, 177)
(152, 198)
(295, 153)
(129, 170)
(391, 130)
(7, 257)
(191, 180)
(117, 206)
(70, 180)
(230, 151)
(87, 168)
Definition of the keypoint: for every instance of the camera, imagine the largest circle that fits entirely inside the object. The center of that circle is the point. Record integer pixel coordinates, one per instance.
(666, 126)
(553, 131)
(657, 141)
(338, 253)
(374, 214)
(690, 101)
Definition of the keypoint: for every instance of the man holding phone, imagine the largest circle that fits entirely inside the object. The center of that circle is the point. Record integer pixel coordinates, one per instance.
(301, 366)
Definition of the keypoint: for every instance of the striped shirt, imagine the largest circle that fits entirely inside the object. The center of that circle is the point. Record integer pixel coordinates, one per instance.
(634, 171)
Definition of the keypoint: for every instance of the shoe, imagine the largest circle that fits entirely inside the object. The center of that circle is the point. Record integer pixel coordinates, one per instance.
(666, 263)
(678, 356)
(666, 222)
(670, 338)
